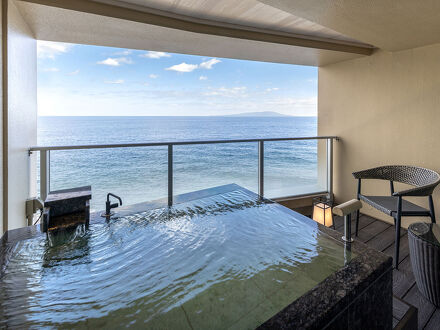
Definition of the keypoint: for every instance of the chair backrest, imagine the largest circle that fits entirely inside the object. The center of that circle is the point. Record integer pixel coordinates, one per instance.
(412, 175)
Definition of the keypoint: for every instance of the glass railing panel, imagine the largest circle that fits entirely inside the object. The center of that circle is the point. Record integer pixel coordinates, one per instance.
(209, 165)
(139, 174)
(294, 168)
(135, 174)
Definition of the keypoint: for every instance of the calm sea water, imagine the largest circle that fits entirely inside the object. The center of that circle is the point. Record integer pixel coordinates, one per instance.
(140, 174)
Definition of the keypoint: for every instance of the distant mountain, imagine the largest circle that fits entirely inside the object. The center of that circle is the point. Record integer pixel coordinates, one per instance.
(259, 114)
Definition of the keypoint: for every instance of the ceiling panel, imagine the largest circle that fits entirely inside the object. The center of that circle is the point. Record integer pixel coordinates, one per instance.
(387, 24)
(64, 25)
(250, 13)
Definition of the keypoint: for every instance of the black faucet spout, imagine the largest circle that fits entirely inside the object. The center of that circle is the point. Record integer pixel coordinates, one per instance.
(113, 195)
(109, 205)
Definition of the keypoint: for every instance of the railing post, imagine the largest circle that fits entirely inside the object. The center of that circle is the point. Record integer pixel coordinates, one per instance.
(170, 175)
(261, 168)
(330, 168)
(44, 173)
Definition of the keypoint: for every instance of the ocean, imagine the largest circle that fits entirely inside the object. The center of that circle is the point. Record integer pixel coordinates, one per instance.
(140, 174)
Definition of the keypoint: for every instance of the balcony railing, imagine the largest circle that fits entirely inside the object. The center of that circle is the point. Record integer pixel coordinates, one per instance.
(46, 150)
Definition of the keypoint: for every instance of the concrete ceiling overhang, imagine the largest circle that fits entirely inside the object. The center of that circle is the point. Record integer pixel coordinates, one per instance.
(131, 26)
(391, 25)
(243, 13)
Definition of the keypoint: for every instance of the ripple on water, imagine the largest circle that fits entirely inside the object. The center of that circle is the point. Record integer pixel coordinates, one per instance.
(143, 265)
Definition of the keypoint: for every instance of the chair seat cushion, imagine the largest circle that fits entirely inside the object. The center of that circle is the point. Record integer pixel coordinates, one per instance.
(388, 205)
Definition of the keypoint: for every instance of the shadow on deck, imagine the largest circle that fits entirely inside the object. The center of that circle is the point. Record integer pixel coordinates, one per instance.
(380, 236)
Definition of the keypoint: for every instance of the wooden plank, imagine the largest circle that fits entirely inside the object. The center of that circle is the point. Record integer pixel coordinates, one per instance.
(409, 320)
(424, 307)
(372, 230)
(434, 321)
(403, 278)
(364, 220)
(395, 322)
(404, 248)
(383, 240)
(399, 308)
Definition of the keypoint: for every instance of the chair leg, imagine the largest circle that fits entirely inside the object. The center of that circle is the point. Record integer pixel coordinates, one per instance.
(357, 222)
(397, 244)
(397, 240)
(431, 209)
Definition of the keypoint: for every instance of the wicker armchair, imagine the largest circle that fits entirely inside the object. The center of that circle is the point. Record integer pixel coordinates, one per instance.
(424, 182)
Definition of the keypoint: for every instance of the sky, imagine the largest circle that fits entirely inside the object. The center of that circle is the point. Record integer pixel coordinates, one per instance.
(83, 80)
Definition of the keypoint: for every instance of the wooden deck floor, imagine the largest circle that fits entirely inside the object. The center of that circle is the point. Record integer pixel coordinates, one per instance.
(380, 235)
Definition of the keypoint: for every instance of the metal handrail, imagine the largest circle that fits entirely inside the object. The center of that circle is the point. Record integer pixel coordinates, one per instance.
(175, 143)
(45, 158)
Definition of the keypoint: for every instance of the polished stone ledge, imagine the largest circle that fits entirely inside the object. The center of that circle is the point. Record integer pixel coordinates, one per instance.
(348, 298)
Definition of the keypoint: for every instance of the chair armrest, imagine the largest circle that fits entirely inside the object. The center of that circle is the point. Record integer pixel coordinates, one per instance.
(417, 191)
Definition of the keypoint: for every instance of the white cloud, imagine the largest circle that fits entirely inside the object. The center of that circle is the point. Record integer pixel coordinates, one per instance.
(110, 61)
(208, 64)
(272, 89)
(49, 49)
(203, 78)
(118, 81)
(115, 61)
(183, 67)
(50, 69)
(73, 73)
(153, 76)
(125, 52)
(228, 92)
(155, 55)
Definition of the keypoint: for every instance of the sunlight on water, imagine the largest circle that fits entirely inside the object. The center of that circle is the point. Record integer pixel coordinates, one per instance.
(223, 260)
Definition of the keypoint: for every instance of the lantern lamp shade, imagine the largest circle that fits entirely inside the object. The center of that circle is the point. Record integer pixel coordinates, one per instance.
(322, 213)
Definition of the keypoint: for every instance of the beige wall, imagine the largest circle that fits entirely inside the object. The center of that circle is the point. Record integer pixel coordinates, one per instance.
(386, 109)
(22, 114)
(1, 125)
